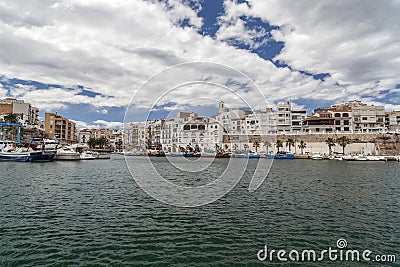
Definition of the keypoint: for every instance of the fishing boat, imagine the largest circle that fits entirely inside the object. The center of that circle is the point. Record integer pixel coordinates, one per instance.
(41, 156)
(222, 154)
(250, 155)
(26, 155)
(14, 156)
(191, 154)
(280, 155)
(155, 153)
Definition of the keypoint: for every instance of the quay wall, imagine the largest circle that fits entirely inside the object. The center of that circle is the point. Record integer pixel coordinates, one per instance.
(368, 144)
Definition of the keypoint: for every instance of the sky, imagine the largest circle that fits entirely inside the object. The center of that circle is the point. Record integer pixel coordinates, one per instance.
(89, 60)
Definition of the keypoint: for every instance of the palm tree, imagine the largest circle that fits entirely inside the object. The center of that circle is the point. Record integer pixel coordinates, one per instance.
(235, 147)
(267, 145)
(11, 117)
(290, 143)
(279, 144)
(91, 142)
(246, 146)
(256, 144)
(302, 145)
(102, 141)
(331, 143)
(343, 142)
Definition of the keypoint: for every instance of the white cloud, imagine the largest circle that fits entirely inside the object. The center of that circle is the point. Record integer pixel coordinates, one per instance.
(114, 46)
(108, 124)
(355, 41)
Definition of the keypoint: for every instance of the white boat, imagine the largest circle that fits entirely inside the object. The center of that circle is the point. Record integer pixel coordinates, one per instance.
(316, 156)
(51, 144)
(348, 158)
(360, 158)
(87, 155)
(67, 153)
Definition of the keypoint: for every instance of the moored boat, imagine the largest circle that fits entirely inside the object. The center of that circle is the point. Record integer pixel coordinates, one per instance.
(191, 154)
(155, 153)
(247, 155)
(280, 155)
(316, 156)
(67, 153)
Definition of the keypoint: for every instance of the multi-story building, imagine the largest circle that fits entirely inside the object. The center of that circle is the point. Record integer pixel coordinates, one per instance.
(84, 135)
(321, 121)
(367, 119)
(393, 121)
(27, 114)
(298, 117)
(284, 117)
(58, 127)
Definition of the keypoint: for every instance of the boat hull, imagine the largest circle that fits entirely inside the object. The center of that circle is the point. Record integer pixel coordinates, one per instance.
(61, 156)
(279, 156)
(13, 156)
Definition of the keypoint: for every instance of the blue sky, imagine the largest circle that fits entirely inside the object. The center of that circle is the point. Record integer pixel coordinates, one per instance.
(86, 60)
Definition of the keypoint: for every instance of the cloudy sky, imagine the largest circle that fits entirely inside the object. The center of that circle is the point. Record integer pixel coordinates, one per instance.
(86, 59)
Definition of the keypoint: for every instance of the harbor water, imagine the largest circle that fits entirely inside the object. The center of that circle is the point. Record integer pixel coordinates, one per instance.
(93, 213)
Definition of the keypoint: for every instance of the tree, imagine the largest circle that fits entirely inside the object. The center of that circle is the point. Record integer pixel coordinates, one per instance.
(92, 142)
(11, 117)
(246, 147)
(290, 143)
(343, 142)
(279, 144)
(256, 144)
(102, 141)
(235, 147)
(331, 143)
(302, 145)
(267, 145)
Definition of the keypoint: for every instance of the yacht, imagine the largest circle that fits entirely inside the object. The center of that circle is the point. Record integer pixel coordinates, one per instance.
(67, 153)
(316, 156)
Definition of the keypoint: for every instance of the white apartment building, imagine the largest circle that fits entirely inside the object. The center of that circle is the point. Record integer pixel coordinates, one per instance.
(393, 121)
(284, 118)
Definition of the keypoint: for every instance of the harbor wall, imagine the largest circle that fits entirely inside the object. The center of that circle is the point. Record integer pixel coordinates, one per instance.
(368, 144)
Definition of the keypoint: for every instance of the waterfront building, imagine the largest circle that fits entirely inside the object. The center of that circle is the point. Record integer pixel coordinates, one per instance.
(297, 120)
(58, 127)
(284, 117)
(229, 120)
(84, 135)
(367, 119)
(393, 121)
(27, 114)
(135, 136)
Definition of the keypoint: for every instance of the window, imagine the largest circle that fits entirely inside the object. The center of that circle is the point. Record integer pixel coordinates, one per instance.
(337, 115)
(201, 127)
(364, 118)
(186, 127)
(193, 126)
(346, 129)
